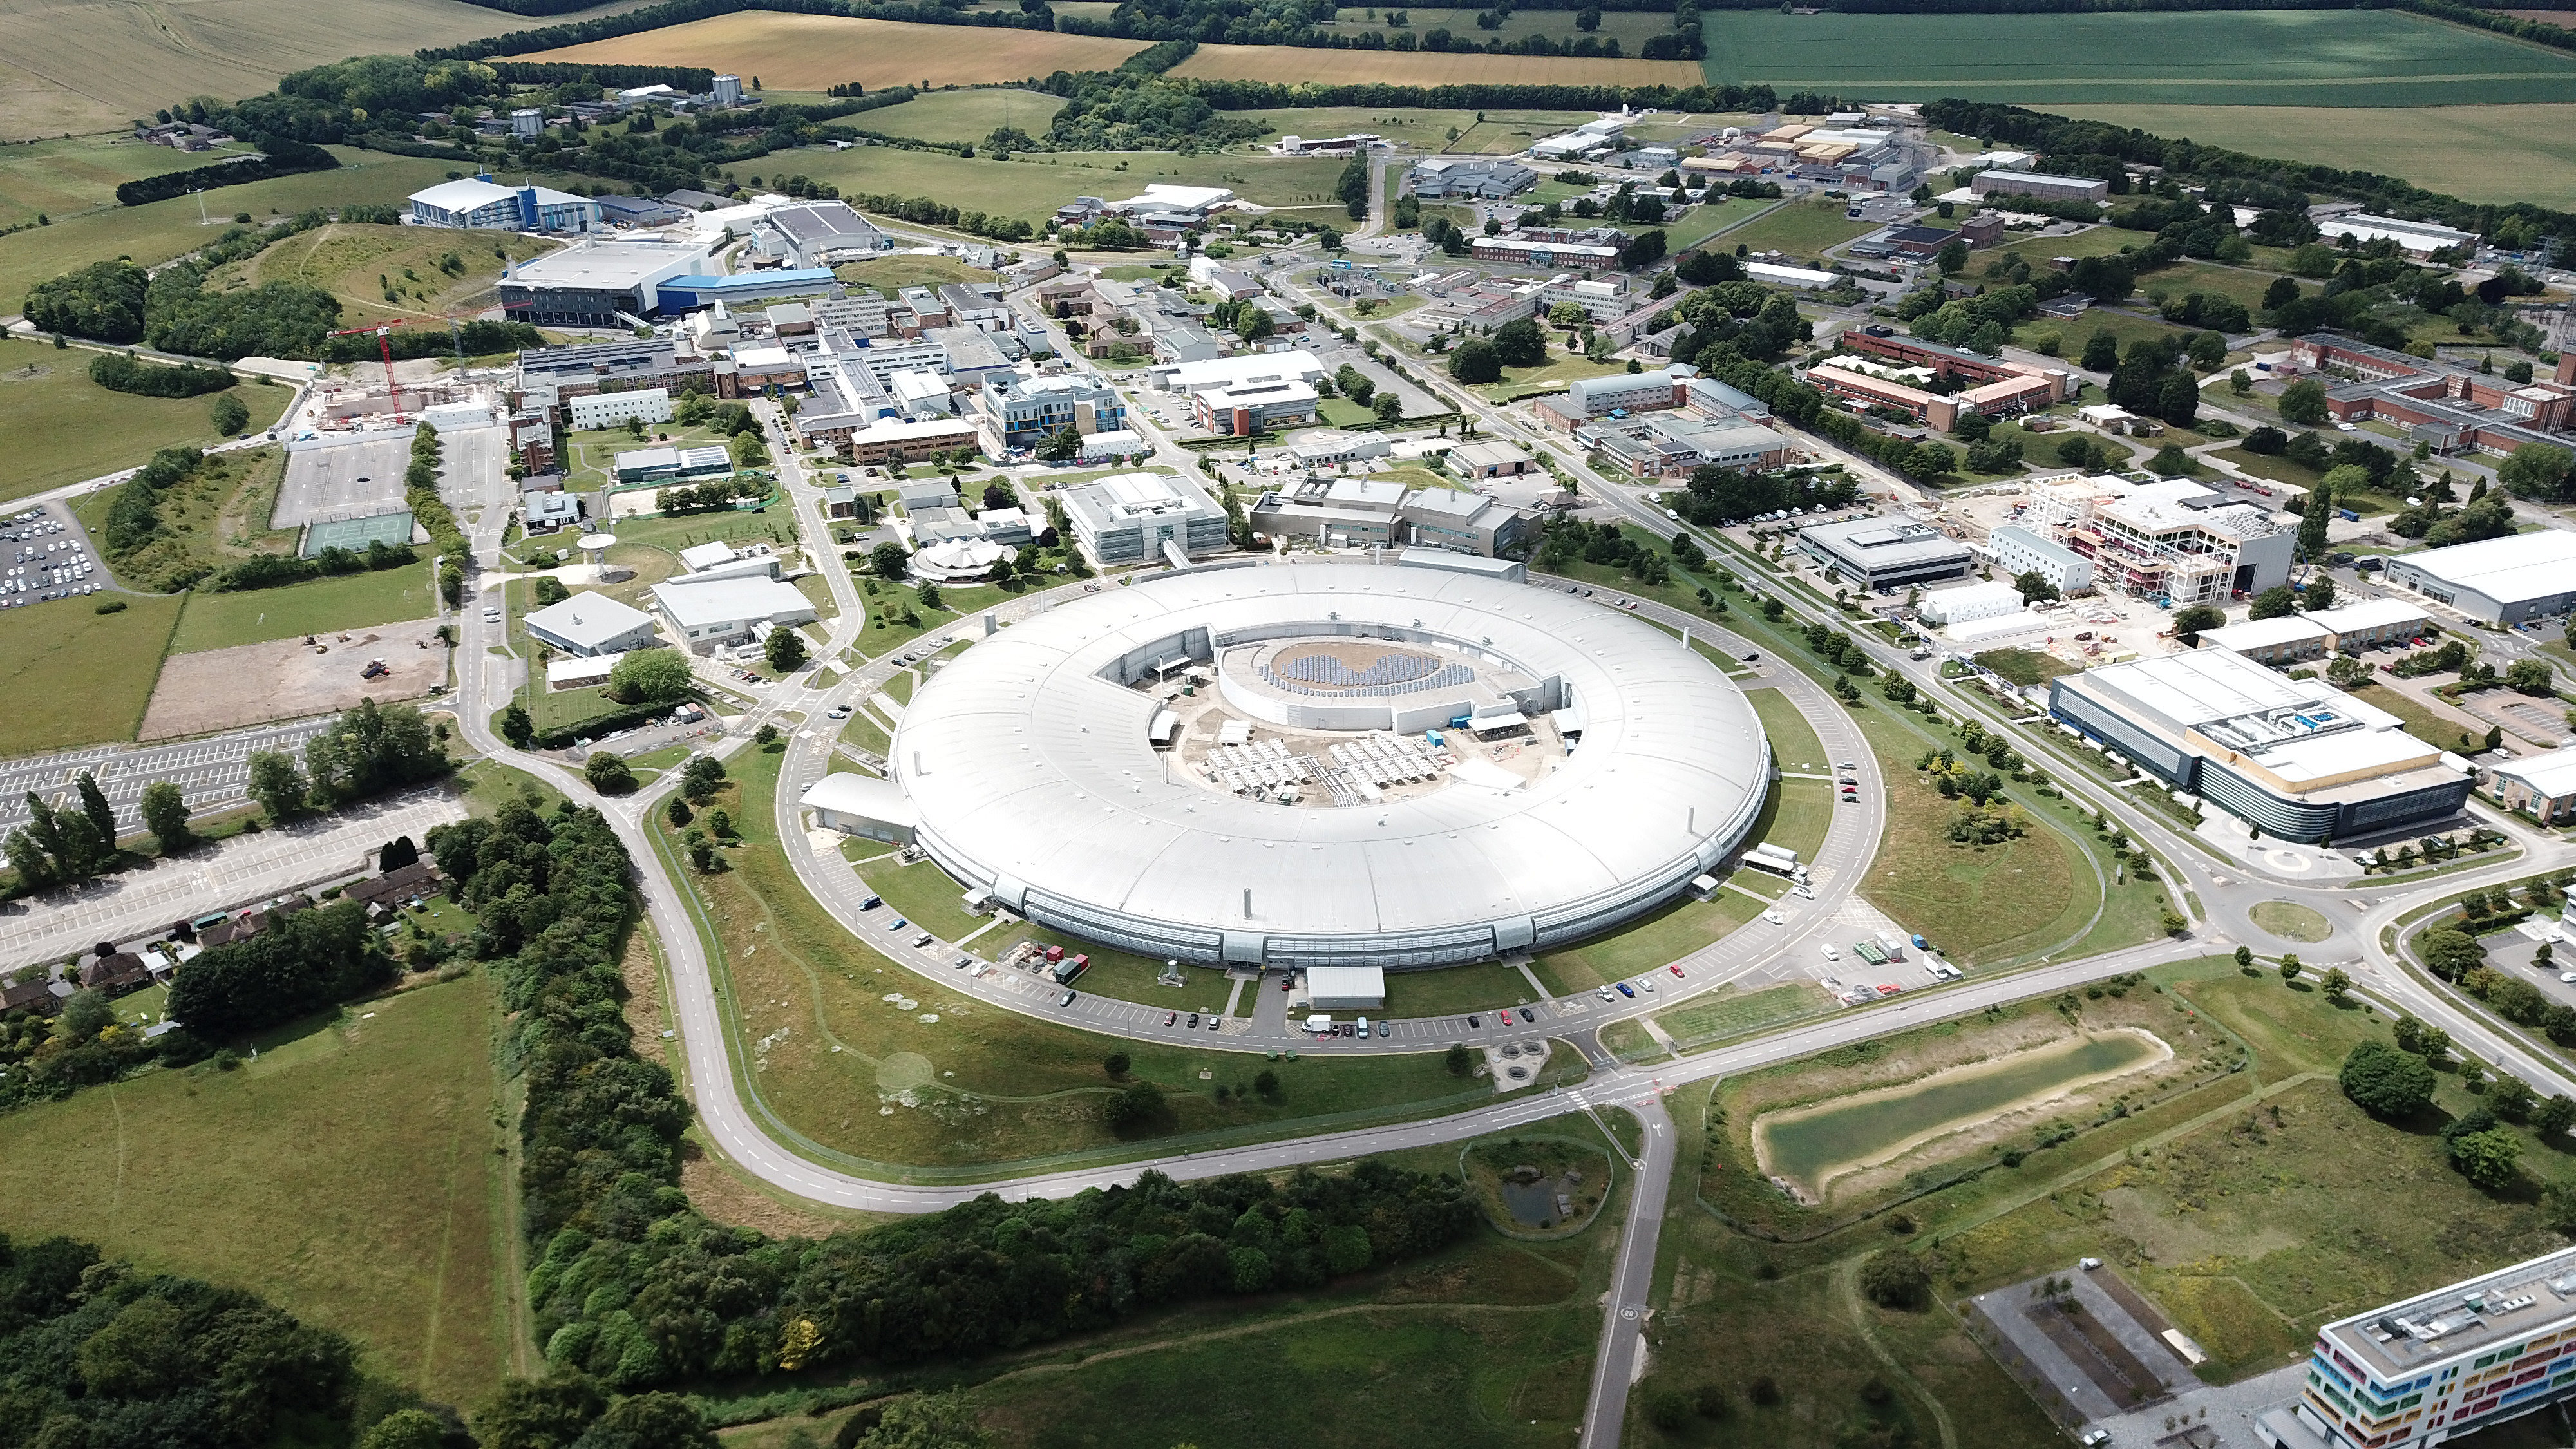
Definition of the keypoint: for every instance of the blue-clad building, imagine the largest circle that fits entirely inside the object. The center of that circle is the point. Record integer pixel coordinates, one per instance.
(482, 204)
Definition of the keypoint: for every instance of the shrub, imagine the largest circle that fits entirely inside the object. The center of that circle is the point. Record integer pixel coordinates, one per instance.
(2387, 1083)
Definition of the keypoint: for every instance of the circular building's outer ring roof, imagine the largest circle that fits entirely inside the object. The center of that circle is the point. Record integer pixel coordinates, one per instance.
(1035, 779)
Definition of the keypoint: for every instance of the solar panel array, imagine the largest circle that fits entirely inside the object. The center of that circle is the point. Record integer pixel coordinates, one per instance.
(1388, 674)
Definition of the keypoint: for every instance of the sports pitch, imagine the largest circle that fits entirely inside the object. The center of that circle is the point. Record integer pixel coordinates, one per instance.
(2234, 58)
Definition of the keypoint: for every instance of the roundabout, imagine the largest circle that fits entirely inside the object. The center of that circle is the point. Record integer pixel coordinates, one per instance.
(1333, 764)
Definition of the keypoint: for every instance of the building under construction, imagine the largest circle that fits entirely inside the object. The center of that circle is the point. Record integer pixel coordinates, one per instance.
(2172, 542)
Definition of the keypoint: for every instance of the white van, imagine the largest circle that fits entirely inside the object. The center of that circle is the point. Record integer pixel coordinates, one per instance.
(1363, 1026)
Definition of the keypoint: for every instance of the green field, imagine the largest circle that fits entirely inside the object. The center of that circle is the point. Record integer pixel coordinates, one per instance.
(1032, 185)
(966, 115)
(1801, 229)
(76, 676)
(351, 601)
(348, 260)
(2523, 152)
(63, 428)
(2325, 58)
(351, 1175)
(156, 232)
(1631, 28)
(60, 178)
(891, 274)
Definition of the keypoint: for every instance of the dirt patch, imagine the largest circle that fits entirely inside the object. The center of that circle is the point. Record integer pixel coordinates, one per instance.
(222, 689)
(720, 1196)
(643, 998)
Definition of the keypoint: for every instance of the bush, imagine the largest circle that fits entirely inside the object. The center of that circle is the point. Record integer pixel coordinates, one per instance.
(2389, 1084)
(110, 606)
(1668, 1409)
(124, 372)
(650, 674)
(1895, 1278)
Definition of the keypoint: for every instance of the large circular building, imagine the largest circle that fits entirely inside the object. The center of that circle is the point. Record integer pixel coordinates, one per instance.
(1330, 764)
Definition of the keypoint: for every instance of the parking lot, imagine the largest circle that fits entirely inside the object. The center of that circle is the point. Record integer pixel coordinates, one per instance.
(342, 476)
(45, 555)
(209, 772)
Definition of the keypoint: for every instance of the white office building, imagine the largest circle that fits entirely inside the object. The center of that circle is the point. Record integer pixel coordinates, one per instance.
(590, 624)
(482, 204)
(615, 409)
(1128, 518)
(712, 612)
(2018, 551)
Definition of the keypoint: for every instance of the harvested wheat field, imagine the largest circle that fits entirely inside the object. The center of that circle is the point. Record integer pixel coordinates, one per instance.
(1298, 65)
(814, 52)
(222, 689)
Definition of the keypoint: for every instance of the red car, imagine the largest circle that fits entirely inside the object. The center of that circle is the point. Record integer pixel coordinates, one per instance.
(1170, 1016)
(1676, 970)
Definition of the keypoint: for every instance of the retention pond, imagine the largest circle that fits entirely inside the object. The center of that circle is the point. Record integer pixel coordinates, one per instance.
(1810, 1146)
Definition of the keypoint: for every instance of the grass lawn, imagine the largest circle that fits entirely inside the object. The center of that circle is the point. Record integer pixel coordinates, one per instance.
(156, 232)
(954, 1087)
(319, 607)
(1794, 746)
(2441, 731)
(1802, 229)
(923, 894)
(1647, 944)
(59, 178)
(2212, 278)
(2239, 58)
(890, 275)
(1550, 376)
(2128, 329)
(79, 677)
(2026, 667)
(2270, 466)
(63, 428)
(864, 732)
(357, 1182)
(219, 514)
(2098, 241)
(1341, 412)
(1486, 986)
(1739, 1012)
(1705, 220)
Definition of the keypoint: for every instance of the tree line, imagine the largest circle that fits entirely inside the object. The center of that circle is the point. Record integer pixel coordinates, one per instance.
(125, 372)
(367, 750)
(281, 156)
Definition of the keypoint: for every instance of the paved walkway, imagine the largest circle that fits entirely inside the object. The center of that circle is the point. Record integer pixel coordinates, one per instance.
(245, 868)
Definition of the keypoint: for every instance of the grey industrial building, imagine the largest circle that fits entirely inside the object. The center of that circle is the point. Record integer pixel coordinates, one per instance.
(2297, 758)
(2496, 580)
(1880, 553)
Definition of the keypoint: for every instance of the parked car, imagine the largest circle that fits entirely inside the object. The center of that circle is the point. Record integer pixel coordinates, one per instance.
(1068, 998)
(1627, 990)
(871, 903)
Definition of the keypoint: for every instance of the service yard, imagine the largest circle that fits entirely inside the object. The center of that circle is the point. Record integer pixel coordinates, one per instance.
(221, 689)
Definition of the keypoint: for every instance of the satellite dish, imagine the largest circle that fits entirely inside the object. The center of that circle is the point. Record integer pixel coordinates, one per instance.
(597, 542)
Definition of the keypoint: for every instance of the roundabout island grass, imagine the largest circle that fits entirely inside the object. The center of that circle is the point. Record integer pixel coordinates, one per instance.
(2291, 921)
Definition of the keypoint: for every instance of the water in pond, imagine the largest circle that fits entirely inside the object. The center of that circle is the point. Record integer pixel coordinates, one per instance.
(1810, 1145)
(1531, 1204)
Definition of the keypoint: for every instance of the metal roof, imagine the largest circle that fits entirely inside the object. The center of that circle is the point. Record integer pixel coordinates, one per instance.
(2510, 570)
(1033, 768)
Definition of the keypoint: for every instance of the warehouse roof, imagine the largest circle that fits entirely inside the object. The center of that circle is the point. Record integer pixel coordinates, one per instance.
(2508, 570)
(587, 620)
